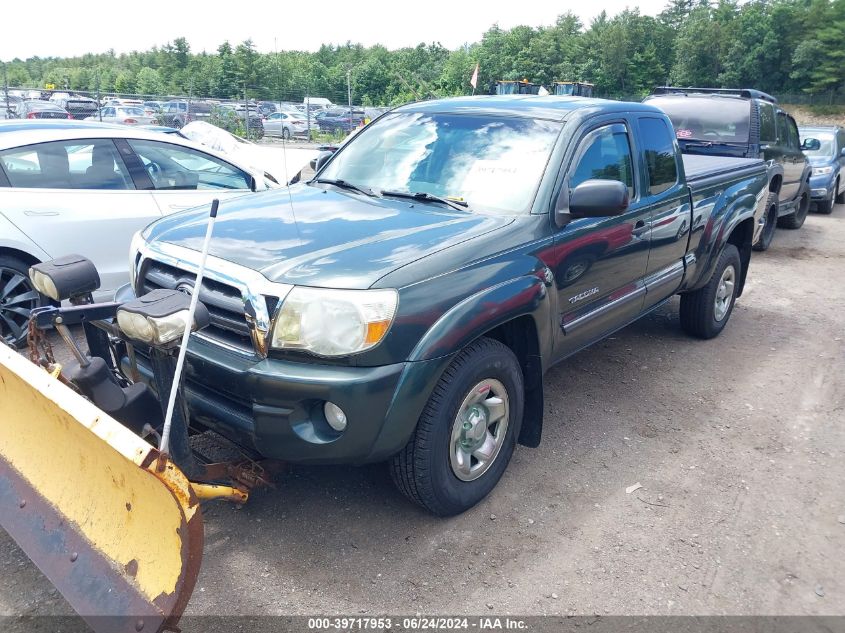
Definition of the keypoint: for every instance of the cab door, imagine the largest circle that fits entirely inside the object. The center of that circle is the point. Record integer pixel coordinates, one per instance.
(599, 264)
(668, 201)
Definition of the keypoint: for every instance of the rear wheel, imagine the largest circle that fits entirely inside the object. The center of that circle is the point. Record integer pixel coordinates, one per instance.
(769, 221)
(17, 299)
(826, 206)
(795, 220)
(705, 312)
(285, 133)
(466, 434)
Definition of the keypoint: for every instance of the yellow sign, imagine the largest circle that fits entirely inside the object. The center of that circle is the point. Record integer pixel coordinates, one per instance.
(50, 86)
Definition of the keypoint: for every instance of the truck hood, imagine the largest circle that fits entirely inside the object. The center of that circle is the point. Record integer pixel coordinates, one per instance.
(323, 237)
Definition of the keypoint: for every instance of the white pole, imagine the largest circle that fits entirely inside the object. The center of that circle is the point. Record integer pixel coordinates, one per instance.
(183, 347)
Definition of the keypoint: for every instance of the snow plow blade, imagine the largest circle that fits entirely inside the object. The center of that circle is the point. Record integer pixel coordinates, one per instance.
(82, 496)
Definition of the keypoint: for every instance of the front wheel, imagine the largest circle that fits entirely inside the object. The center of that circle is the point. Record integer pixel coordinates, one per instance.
(466, 434)
(705, 312)
(18, 298)
(769, 221)
(795, 220)
(826, 206)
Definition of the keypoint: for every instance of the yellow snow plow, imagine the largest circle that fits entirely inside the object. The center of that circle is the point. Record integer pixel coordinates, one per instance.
(85, 498)
(112, 521)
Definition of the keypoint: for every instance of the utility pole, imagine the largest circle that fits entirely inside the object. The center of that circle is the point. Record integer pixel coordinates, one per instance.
(99, 103)
(190, 97)
(349, 94)
(6, 88)
(246, 114)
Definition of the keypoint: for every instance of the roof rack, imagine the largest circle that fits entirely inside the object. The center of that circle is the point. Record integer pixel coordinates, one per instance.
(745, 93)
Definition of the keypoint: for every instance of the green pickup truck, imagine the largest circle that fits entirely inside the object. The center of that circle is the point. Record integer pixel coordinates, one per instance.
(404, 304)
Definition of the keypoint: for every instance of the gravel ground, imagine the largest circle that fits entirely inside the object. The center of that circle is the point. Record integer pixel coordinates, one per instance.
(737, 443)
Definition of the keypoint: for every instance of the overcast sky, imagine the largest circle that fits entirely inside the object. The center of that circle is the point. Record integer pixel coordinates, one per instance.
(76, 28)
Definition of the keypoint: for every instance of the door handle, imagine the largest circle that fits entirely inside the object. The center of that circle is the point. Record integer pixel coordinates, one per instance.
(639, 228)
(32, 213)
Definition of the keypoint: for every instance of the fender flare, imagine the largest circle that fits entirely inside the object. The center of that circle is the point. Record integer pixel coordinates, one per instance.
(482, 312)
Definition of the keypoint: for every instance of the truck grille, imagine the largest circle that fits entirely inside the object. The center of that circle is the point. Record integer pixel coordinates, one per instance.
(225, 304)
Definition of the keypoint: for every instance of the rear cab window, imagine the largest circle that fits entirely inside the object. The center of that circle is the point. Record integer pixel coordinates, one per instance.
(716, 119)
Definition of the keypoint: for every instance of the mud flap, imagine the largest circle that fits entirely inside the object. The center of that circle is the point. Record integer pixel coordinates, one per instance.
(82, 496)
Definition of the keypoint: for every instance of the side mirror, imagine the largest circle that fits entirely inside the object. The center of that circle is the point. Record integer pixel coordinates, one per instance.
(322, 159)
(842, 153)
(594, 199)
(811, 144)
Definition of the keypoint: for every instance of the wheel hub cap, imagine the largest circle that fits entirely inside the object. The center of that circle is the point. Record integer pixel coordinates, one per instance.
(479, 430)
(724, 293)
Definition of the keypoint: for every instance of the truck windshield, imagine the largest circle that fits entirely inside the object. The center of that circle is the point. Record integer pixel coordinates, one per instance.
(714, 119)
(493, 164)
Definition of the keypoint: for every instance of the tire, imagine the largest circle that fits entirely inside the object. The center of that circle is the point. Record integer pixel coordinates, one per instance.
(17, 299)
(285, 133)
(840, 197)
(826, 206)
(771, 220)
(700, 316)
(795, 220)
(427, 469)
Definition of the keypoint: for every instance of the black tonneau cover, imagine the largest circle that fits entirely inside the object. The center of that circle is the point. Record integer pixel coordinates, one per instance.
(698, 167)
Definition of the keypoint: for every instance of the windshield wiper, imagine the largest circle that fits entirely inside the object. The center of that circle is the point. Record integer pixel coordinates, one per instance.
(345, 185)
(458, 205)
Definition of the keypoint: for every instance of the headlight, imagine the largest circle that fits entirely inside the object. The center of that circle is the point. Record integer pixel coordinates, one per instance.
(822, 171)
(69, 277)
(134, 248)
(333, 322)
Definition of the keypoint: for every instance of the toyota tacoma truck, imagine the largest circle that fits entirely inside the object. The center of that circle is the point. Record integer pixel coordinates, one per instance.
(404, 304)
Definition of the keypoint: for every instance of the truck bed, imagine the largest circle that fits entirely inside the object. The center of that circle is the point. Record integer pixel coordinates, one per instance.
(701, 169)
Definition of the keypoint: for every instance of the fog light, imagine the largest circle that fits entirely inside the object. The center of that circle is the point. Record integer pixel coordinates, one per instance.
(335, 416)
(159, 317)
(67, 277)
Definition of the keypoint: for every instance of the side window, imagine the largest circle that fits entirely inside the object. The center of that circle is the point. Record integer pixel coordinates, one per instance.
(175, 167)
(659, 148)
(605, 154)
(841, 145)
(86, 164)
(768, 133)
(792, 131)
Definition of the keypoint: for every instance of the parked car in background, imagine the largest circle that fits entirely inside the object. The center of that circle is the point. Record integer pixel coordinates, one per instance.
(11, 106)
(285, 125)
(235, 115)
(124, 115)
(79, 107)
(177, 113)
(746, 123)
(340, 119)
(827, 182)
(156, 106)
(37, 109)
(86, 188)
(266, 108)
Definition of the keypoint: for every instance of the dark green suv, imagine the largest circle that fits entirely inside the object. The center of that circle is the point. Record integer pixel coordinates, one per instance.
(750, 124)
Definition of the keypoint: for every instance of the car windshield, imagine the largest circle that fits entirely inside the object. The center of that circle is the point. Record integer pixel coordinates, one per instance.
(826, 144)
(494, 164)
(715, 119)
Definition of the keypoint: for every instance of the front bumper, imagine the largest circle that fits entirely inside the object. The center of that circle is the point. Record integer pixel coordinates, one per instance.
(821, 186)
(275, 407)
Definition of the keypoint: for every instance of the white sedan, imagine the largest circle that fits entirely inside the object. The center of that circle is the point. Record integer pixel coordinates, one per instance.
(285, 124)
(86, 188)
(125, 115)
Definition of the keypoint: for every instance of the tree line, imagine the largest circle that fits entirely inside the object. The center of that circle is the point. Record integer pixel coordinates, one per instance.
(773, 45)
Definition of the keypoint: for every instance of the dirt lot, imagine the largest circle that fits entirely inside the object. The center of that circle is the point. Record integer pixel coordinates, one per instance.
(737, 442)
